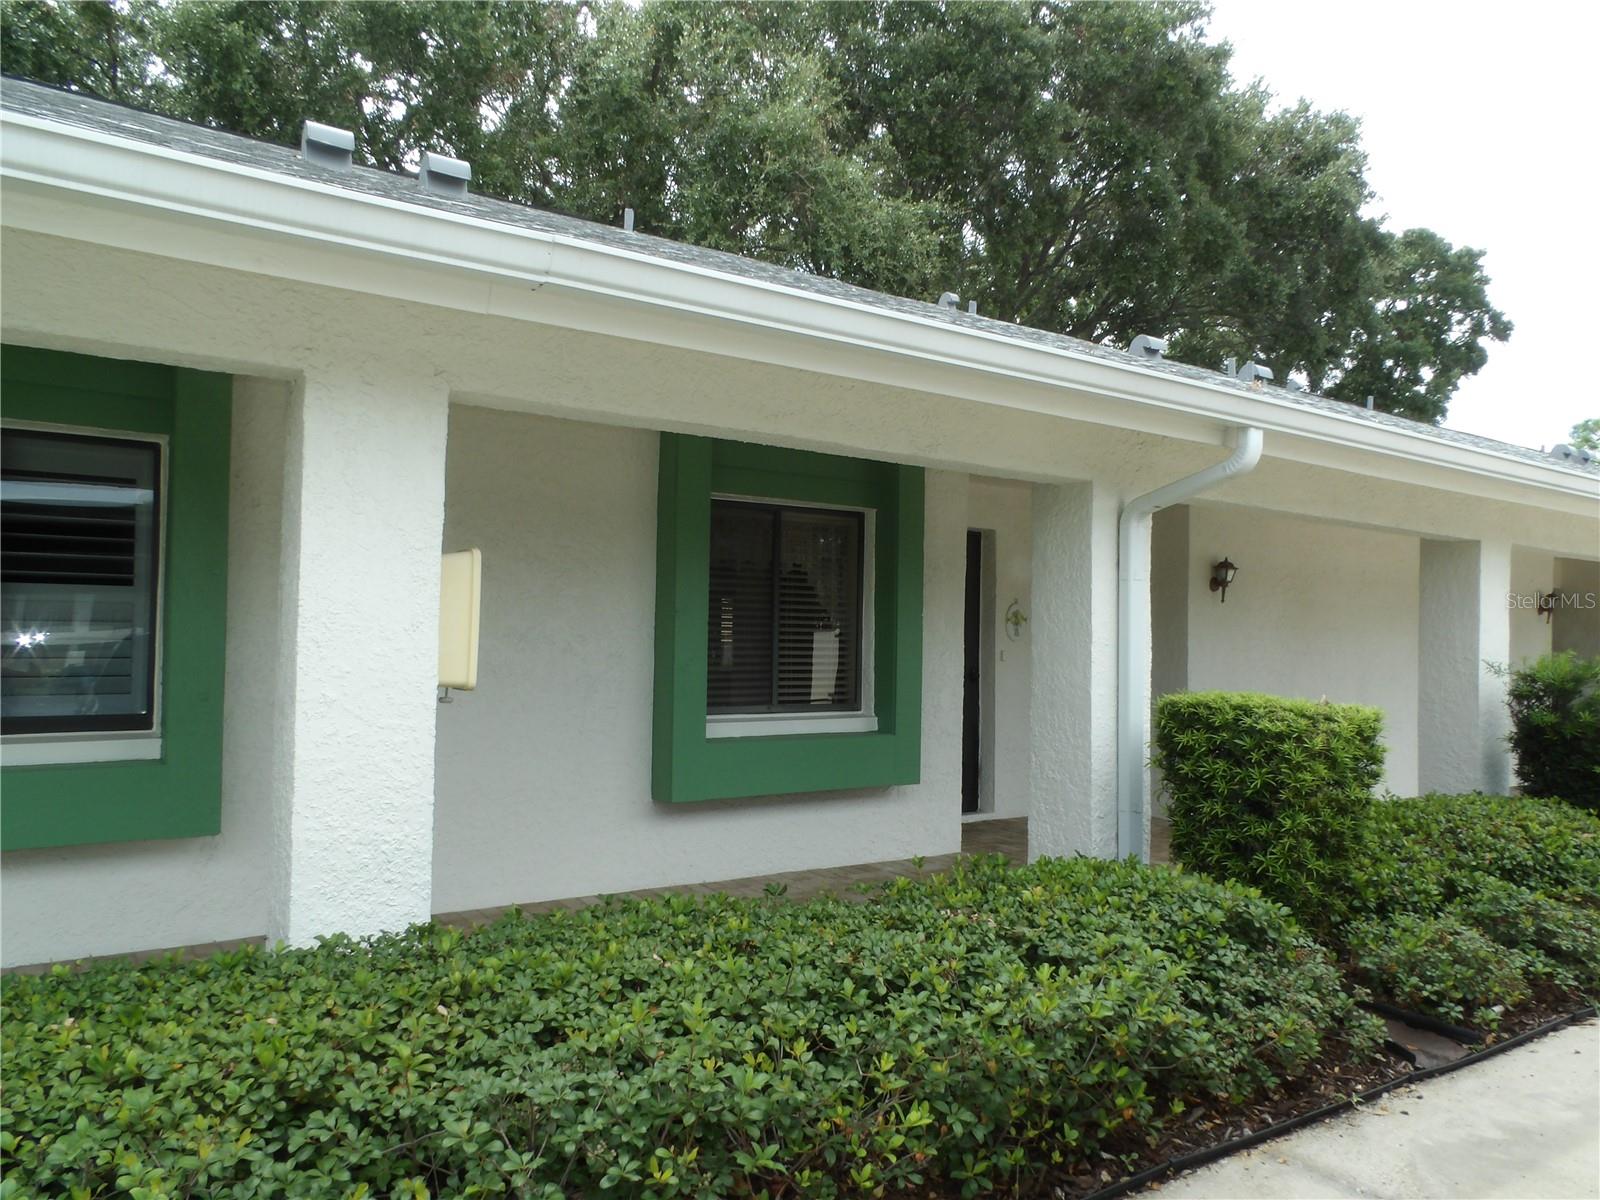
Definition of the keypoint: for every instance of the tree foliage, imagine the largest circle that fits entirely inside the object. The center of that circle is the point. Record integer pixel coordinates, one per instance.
(1585, 434)
(1081, 167)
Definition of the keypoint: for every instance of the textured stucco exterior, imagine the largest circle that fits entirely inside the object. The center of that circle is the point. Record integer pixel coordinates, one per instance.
(1533, 574)
(1318, 610)
(353, 795)
(1073, 715)
(1464, 632)
(487, 392)
(1575, 626)
(544, 771)
(1003, 510)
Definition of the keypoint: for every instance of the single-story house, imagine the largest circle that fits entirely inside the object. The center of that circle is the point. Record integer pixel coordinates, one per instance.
(776, 573)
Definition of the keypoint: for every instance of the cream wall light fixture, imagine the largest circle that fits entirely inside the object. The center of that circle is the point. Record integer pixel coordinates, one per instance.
(1222, 575)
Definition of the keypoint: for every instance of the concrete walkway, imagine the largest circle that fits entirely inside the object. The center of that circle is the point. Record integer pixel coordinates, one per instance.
(1522, 1126)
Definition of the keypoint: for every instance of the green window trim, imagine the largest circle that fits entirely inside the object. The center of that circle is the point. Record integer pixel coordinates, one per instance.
(688, 766)
(180, 794)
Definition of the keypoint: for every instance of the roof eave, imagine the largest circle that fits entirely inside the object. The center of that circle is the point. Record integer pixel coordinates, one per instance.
(41, 153)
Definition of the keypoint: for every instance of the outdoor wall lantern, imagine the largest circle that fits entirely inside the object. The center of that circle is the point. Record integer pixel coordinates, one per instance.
(1221, 576)
(1547, 605)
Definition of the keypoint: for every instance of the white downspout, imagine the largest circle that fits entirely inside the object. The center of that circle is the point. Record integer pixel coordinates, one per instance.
(1133, 629)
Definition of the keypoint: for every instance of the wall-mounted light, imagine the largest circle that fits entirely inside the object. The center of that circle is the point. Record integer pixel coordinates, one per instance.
(1015, 620)
(1547, 605)
(1222, 575)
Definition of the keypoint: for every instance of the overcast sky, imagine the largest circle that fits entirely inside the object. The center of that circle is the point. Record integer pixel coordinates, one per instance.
(1478, 121)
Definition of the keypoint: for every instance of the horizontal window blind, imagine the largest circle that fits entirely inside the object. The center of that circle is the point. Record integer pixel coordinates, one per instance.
(739, 676)
(785, 612)
(69, 531)
(78, 544)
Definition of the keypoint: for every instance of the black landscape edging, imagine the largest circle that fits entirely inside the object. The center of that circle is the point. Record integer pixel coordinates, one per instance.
(1198, 1158)
(1418, 1020)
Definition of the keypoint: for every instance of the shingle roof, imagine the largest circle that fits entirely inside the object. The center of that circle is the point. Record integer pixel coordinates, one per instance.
(74, 109)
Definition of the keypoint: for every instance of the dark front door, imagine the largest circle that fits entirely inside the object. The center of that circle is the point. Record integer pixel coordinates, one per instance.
(972, 689)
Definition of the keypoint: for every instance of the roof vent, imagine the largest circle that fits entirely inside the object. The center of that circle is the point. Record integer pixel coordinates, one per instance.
(627, 220)
(1293, 385)
(1253, 373)
(949, 300)
(447, 176)
(1148, 346)
(972, 308)
(1575, 454)
(327, 145)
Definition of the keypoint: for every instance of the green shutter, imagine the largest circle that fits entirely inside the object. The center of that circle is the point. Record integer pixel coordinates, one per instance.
(688, 766)
(179, 795)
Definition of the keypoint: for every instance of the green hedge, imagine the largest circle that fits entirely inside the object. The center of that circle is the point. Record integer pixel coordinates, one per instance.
(1555, 727)
(1464, 905)
(1268, 791)
(970, 1033)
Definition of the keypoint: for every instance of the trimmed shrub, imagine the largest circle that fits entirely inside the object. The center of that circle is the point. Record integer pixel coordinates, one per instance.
(1269, 792)
(967, 1033)
(1555, 727)
(1461, 905)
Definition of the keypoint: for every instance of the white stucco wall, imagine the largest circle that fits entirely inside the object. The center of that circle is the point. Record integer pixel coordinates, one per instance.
(1465, 635)
(1003, 510)
(564, 803)
(1317, 610)
(1533, 574)
(1576, 624)
(57, 904)
(353, 792)
(543, 772)
(1073, 710)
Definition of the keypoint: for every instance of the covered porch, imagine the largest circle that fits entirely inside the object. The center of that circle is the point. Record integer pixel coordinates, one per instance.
(397, 380)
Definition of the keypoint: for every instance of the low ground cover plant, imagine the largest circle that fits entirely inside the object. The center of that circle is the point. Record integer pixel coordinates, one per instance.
(1269, 791)
(964, 1034)
(1555, 727)
(1463, 905)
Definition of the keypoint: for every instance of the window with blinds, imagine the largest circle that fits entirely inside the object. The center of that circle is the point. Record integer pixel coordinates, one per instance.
(79, 534)
(785, 619)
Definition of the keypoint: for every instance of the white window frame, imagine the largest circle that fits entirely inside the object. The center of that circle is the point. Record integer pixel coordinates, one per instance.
(863, 719)
(98, 746)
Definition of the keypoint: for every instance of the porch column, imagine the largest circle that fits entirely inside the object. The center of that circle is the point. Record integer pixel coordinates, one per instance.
(1462, 719)
(363, 515)
(1074, 709)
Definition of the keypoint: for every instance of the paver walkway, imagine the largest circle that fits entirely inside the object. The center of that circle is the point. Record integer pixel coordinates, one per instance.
(1521, 1126)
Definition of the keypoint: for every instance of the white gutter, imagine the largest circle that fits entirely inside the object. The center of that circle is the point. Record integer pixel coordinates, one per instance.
(1133, 629)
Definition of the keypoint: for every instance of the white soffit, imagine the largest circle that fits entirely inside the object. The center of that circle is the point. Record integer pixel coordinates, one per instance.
(219, 212)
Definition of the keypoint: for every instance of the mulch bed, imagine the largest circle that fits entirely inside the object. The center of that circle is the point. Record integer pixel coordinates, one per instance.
(1548, 1004)
(1214, 1122)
